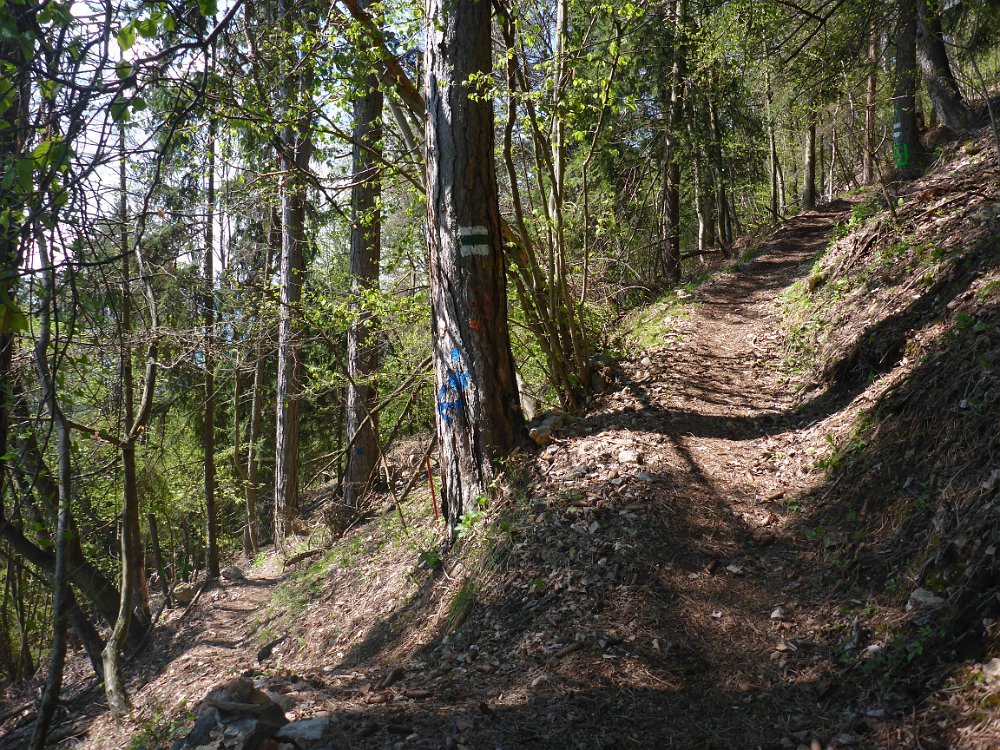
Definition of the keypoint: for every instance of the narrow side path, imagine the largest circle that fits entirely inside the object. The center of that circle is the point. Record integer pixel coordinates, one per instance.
(190, 656)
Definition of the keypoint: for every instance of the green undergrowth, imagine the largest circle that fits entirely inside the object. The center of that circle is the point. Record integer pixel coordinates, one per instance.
(647, 326)
(484, 550)
(477, 558)
(160, 731)
(358, 552)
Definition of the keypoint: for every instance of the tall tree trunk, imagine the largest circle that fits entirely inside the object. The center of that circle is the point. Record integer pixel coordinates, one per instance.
(13, 139)
(362, 346)
(871, 103)
(772, 149)
(699, 200)
(949, 105)
(821, 165)
(251, 534)
(833, 159)
(906, 138)
(208, 305)
(721, 194)
(114, 686)
(60, 602)
(670, 222)
(809, 167)
(478, 417)
(297, 147)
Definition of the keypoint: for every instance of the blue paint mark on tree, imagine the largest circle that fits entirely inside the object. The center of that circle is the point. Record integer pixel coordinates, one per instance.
(451, 395)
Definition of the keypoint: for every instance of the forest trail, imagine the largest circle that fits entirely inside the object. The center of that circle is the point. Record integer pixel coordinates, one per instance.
(658, 593)
(193, 649)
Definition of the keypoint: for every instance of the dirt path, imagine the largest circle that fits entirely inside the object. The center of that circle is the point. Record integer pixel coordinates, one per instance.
(190, 654)
(657, 589)
(738, 649)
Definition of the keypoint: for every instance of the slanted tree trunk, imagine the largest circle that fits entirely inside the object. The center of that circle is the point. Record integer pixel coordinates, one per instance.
(362, 346)
(60, 585)
(809, 167)
(297, 147)
(950, 107)
(906, 138)
(134, 422)
(478, 417)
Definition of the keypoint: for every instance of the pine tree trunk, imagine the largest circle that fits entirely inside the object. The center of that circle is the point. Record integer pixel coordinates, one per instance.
(362, 346)
(296, 154)
(906, 138)
(949, 105)
(478, 417)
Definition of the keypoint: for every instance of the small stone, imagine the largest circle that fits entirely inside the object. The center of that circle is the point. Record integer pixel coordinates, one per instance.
(304, 732)
(646, 476)
(778, 614)
(629, 457)
(923, 598)
(285, 702)
(232, 573)
(184, 593)
(991, 670)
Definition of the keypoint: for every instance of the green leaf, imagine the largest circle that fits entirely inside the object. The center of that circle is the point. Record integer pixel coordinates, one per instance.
(12, 319)
(126, 38)
(148, 29)
(119, 111)
(41, 151)
(25, 169)
(123, 70)
(208, 7)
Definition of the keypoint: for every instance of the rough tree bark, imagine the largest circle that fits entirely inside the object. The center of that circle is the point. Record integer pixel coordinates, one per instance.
(297, 147)
(949, 105)
(362, 347)
(906, 138)
(478, 416)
